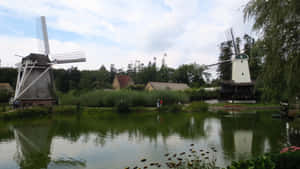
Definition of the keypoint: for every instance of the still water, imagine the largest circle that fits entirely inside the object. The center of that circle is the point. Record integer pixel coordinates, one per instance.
(111, 141)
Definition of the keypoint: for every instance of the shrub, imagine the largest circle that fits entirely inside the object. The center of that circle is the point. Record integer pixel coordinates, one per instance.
(5, 95)
(201, 94)
(198, 107)
(262, 162)
(123, 107)
(287, 160)
(138, 87)
(174, 108)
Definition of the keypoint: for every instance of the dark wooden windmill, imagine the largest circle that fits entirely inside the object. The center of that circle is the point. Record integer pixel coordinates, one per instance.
(35, 83)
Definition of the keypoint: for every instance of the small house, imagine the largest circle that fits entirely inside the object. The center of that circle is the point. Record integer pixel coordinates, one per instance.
(122, 81)
(166, 86)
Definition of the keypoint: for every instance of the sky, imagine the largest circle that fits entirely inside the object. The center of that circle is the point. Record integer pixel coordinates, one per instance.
(120, 32)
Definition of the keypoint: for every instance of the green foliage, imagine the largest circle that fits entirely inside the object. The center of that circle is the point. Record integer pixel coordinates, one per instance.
(191, 74)
(5, 95)
(37, 112)
(263, 162)
(288, 160)
(198, 107)
(102, 98)
(278, 22)
(138, 87)
(224, 69)
(26, 113)
(63, 109)
(8, 75)
(201, 94)
(123, 107)
(173, 108)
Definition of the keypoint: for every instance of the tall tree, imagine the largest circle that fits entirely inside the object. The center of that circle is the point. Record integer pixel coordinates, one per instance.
(279, 23)
(254, 51)
(224, 69)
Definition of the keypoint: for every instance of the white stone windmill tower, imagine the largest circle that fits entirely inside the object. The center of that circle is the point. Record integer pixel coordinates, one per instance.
(35, 83)
(240, 87)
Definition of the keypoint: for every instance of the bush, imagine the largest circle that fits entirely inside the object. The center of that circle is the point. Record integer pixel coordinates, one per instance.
(198, 107)
(123, 107)
(174, 108)
(263, 162)
(288, 160)
(5, 95)
(201, 94)
(138, 87)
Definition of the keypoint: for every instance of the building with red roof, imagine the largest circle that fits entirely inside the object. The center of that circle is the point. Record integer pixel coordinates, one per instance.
(122, 81)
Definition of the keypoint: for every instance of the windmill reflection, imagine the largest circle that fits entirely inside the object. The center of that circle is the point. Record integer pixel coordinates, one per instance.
(34, 148)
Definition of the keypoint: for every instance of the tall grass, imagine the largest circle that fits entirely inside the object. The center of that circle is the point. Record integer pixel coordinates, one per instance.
(102, 98)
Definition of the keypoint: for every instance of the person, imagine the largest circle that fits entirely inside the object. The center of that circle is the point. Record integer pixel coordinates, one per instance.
(161, 102)
(157, 103)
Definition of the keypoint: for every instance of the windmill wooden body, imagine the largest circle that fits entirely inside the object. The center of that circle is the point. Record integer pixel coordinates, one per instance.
(35, 83)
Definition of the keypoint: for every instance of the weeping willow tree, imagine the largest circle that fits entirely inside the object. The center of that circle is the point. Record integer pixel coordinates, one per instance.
(278, 22)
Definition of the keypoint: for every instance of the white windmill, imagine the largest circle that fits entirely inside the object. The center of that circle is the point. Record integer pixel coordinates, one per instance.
(240, 87)
(240, 66)
(35, 85)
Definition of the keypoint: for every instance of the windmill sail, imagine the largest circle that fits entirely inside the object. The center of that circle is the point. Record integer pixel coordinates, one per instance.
(68, 57)
(45, 35)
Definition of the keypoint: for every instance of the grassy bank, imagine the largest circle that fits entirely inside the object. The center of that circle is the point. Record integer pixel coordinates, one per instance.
(31, 112)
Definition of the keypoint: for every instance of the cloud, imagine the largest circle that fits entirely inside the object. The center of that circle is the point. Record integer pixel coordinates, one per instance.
(120, 32)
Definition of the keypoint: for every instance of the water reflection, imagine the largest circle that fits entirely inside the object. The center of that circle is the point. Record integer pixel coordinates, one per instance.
(114, 141)
(33, 145)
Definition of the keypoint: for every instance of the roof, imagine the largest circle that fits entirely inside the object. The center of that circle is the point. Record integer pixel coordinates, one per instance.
(168, 86)
(5, 86)
(124, 80)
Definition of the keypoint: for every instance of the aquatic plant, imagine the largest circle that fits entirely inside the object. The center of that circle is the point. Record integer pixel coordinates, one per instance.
(193, 158)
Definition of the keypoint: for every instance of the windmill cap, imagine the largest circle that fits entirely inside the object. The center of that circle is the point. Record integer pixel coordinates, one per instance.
(241, 56)
(40, 58)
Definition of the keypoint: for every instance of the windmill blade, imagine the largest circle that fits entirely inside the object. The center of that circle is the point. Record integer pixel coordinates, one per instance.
(236, 52)
(45, 35)
(72, 57)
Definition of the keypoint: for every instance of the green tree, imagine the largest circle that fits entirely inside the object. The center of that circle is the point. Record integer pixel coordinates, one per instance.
(191, 74)
(224, 69)
(278, 21)
(254, 51)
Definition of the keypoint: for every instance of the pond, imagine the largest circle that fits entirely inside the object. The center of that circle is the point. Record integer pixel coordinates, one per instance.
(112, 141)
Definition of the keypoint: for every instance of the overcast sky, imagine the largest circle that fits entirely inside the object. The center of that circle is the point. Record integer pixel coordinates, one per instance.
(121, 31)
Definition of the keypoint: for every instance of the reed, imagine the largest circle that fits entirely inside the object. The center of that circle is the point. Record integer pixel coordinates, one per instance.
(100, 98)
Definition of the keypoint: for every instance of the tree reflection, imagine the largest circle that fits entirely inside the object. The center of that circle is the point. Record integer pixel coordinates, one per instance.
(236, 136)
